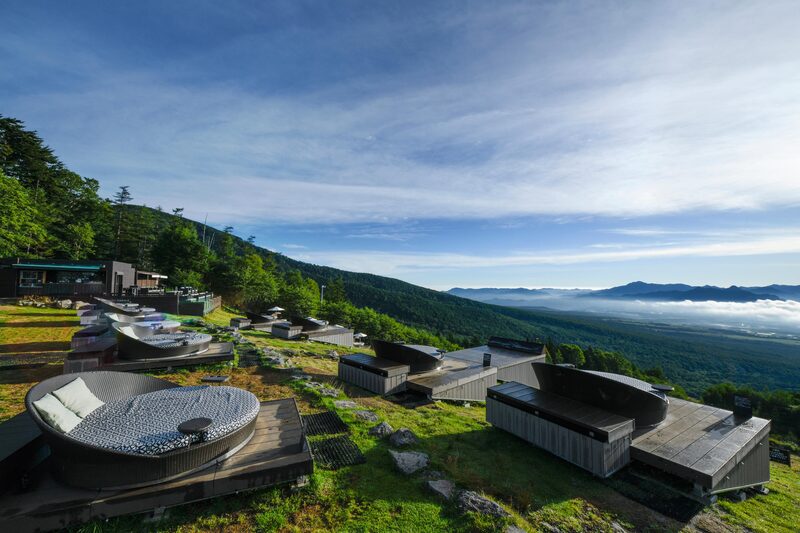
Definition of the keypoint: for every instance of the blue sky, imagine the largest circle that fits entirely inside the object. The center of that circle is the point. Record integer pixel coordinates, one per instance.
(443, 143)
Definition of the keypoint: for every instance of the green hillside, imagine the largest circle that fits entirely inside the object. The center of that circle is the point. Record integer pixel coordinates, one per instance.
(46, 210)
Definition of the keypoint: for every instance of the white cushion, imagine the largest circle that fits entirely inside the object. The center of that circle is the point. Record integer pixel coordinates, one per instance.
(77, 397)
(55, 414)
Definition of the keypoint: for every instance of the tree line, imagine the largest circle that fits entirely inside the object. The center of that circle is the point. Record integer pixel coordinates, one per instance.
(47, 210)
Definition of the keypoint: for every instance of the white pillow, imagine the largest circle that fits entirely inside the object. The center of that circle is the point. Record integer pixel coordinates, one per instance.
(77, 397)
(55, 414)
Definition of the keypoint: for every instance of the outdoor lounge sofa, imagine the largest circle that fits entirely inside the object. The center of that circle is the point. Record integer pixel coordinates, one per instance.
(151, 317)
(139, 435)
(135, 343)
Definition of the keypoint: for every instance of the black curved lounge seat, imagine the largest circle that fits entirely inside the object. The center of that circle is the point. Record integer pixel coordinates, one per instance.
(82, 464)
(420, 358)
(310, 324)
(258, 318)
(618, 394)
(158, 346)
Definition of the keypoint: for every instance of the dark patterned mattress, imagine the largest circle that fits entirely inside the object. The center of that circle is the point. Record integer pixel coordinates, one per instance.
(173, 340)
(148, 424)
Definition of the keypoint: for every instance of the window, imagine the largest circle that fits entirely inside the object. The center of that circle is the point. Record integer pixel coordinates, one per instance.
(77, 277)
(31, 278)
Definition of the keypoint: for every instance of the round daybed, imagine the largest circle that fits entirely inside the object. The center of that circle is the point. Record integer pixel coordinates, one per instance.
(127, 319)
(134, 438)
(140, 344)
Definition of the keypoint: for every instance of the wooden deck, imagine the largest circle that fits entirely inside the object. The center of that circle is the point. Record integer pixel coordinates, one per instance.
(277, 453)
(704, 445)
(574, 415)
(595, 440)
(511, 365)
(20, 442)
(218, 352)
(455, 380)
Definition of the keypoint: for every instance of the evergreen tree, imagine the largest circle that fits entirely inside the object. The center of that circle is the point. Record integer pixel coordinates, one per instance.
(121, 199)
(20, 226)
(572, 354)
(179, 253)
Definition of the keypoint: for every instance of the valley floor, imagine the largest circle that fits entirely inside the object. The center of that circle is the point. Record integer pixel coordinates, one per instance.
(542, 492)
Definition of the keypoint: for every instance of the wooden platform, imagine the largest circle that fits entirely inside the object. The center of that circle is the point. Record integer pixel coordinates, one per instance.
(218, 352)
(456, 380)
(277, 453)
(375, 374)
(707, 446)
(20, 442)
(511, 365)
(594, 439)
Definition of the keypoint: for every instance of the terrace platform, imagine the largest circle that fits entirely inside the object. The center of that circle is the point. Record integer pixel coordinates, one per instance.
(512, 364)
(101, 356)
(277, 453)
(20, 443)
(375, 374)
(455, 380)
(706, 446)
(582, 434)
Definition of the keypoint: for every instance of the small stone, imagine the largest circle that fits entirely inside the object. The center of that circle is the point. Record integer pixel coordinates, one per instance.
(313, 384)
(472, 501)
(333, 354)
(513, 529)
(289, 352)
(616, 527)
(329, 393)
(409, 462)
(303, 377)
(403, 437)
(467, 405)
(435, 474)
(381, 430)
(345, 404)
(65, 304)
(547, 526)
(442, 487)
(369, 416)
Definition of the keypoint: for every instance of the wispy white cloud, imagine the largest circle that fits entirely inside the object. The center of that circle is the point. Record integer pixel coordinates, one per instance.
(293, 246)
(387, 263)
(631, 111)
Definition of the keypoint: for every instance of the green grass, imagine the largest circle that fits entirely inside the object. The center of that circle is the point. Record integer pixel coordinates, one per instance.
(538, 489)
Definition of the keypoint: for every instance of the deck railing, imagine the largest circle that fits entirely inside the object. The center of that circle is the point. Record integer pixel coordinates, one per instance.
(63, 289)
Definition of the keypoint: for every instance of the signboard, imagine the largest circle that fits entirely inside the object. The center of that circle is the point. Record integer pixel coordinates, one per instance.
(742, 408)
(487, 359)
(780, 455)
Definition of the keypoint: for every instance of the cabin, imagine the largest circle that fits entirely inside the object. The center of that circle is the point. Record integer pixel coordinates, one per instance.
(314, 330)
(463, 375)
(602, 422)
(65, 278)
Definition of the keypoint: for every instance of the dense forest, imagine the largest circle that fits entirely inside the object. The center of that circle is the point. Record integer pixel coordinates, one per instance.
(46, 210)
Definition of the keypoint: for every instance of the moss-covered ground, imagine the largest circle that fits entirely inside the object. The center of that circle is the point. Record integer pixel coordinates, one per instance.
(540, 491)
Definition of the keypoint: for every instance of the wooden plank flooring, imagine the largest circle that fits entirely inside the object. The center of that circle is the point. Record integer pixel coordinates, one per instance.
(698, 442)
(217, 352)
(277, 453)
(20, 441)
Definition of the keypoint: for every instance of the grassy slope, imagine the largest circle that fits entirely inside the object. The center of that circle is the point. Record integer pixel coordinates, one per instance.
(536, 487)
(693, 362)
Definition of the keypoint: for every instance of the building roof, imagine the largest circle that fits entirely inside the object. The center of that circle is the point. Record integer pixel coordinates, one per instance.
(47, 266)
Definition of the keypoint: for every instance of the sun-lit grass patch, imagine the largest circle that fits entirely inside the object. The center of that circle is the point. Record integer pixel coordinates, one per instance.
(538, 489)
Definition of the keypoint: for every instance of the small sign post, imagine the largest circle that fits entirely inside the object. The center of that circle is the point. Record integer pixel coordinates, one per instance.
(487, 359)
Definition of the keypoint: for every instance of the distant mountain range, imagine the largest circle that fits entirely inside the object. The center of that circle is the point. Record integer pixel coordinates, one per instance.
(637, 290)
